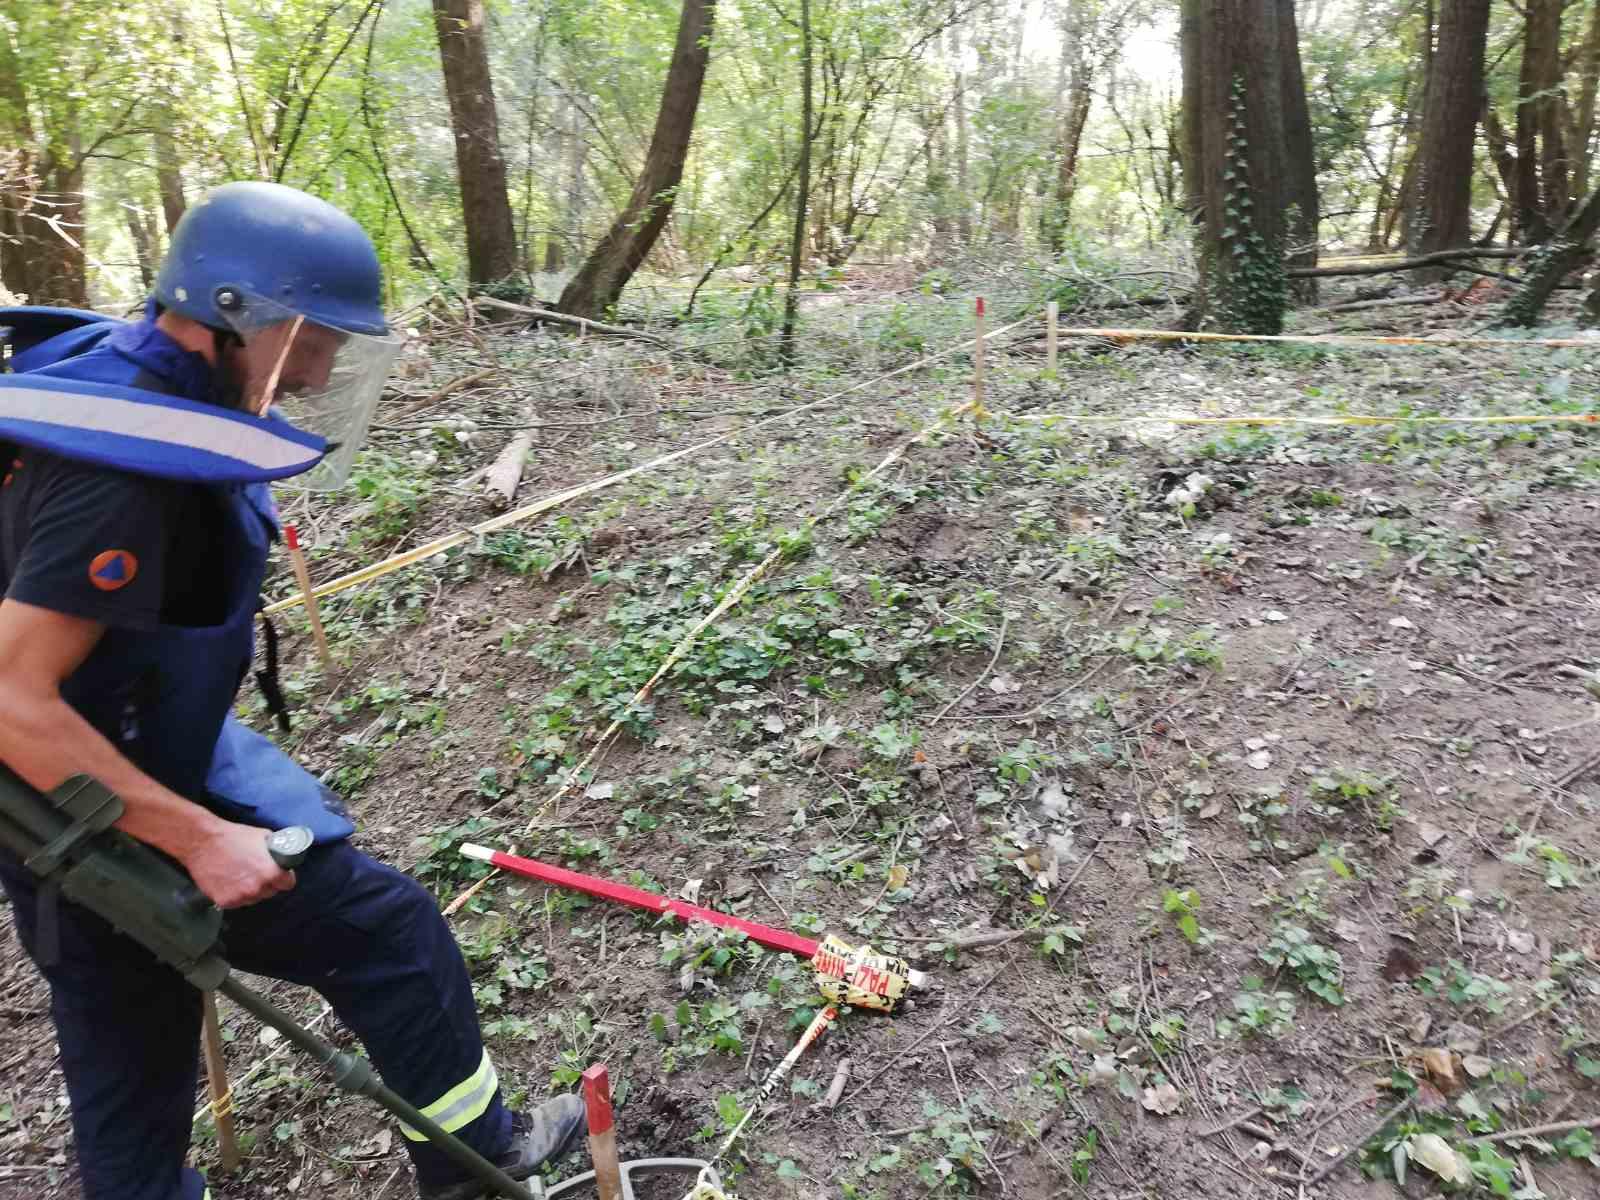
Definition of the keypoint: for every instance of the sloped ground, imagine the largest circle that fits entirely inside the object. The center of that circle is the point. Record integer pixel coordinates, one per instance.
(1305, 749)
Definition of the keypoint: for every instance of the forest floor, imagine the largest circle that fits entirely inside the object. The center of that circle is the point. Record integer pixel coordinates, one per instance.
(1285, 773)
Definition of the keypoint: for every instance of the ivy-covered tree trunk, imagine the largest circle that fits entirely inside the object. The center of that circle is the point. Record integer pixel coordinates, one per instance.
(1548, 265)
(1241, 163)
(1441, 216)
(480, 167)
(599, 282)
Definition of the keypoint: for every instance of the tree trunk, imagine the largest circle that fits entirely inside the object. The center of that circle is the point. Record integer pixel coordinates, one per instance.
(1442, 208)
(169, 174)
(963, 196)
(599, 282)
(143, 244)
(1300, 178)
(1190, 45)
(572, 220)
(480, 168)
(1074, 78)
(1540, 199)
(797, 243)
(1550, 263)
(1241, 156)
(1583, 123)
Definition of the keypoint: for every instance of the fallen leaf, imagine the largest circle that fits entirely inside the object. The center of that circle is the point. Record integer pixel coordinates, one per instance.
(1273, 614)
(1085, 1038)
(1440, 1064)
(600, 791)
(691, 891)
(380, 1143)
(1477, 1065)
(1433, 1152)
(773, 723)
(1400, 623)
(1211, 810)
(1004, 685)
(899, 876)
(269, 1036)
(1463, 1038)
(1255, 743)
(1104, 1069)
(1163, 1098)
(1522, 941)
(1419, 1028)
(1260, 760)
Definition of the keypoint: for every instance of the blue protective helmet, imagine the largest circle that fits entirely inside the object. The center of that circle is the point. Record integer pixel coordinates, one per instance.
(277, 243)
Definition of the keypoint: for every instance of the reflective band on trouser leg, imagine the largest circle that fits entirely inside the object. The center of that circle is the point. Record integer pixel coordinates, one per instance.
(462, 1104)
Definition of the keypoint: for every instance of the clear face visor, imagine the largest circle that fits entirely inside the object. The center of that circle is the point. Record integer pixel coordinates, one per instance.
(322, 380)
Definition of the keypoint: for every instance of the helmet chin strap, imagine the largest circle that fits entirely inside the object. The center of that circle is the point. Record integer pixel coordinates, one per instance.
(277, 368)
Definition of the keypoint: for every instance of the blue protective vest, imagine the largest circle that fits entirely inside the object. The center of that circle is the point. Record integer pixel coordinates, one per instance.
(164, 697)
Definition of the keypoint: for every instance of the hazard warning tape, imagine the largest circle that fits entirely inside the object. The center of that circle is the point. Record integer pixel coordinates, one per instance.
(1325, 339)
(1587, 418)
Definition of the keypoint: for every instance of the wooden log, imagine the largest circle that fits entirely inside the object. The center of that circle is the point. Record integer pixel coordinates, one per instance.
(502, 478)
(1409, 264)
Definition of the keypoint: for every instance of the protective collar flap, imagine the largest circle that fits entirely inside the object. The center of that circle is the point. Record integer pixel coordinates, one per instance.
(148, 433)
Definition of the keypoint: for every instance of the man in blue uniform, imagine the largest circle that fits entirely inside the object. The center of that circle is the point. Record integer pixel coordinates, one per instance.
(134, 527)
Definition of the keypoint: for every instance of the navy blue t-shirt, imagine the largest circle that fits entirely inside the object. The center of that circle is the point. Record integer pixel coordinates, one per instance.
(126, 550)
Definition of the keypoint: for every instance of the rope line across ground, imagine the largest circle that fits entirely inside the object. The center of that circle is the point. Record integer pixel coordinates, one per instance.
(557, 499)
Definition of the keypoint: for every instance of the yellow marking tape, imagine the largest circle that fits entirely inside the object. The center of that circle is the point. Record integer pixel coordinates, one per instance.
(1356, 419)
(1326, 339)
(557, 499)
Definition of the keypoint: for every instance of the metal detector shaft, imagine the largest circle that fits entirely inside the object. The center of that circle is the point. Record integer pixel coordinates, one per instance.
(355, 1074)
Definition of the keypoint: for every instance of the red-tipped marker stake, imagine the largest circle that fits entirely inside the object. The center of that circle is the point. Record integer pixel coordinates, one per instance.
(978, 411)
(302, 573)
(602, 1132)
(847, 974)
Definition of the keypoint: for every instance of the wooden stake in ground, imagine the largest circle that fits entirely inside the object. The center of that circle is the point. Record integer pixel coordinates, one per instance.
(978, 410)
(302, 573)
(217, 1084)
(602, 1132)
(1052, 315)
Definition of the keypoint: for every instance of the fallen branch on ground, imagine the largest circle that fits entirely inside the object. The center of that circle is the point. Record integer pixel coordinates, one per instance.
(1437, 258)
(559, 318)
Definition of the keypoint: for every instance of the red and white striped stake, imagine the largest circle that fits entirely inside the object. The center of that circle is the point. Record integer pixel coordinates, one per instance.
(302, 574)
(819, 1025)
(602, 1132)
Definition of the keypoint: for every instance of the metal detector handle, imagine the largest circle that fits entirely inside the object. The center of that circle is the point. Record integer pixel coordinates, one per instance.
(288, 848)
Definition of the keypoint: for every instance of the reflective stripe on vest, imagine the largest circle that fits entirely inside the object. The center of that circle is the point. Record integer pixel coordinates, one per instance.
(462, 1104)
(147, 433)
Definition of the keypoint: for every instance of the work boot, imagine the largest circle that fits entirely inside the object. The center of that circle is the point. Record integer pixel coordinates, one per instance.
(537, 1137)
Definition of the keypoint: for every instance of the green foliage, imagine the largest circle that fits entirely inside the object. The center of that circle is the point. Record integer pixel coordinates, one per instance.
(1319, 969)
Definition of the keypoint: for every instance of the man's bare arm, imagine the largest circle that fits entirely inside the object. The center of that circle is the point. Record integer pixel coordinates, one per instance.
(45, 741)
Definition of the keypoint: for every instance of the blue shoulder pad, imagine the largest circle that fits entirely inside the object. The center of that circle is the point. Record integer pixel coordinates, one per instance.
(25, 327)
(148, 433)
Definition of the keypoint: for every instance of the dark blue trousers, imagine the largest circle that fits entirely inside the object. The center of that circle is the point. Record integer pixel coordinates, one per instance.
(368, 938)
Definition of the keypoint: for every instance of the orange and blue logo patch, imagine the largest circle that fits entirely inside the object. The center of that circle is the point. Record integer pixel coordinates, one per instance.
(113, 569)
